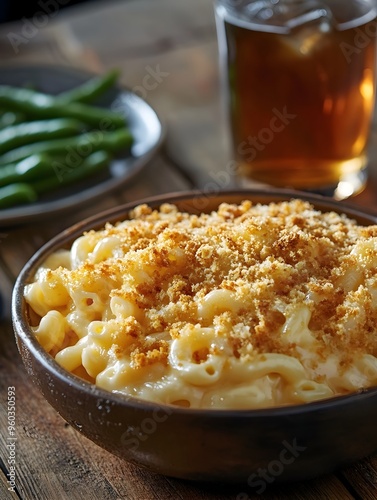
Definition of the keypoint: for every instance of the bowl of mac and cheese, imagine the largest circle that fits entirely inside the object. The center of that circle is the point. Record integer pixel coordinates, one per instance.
(205, 336)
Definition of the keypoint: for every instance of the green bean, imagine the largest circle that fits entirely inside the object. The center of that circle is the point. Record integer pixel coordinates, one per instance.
(61, 175)
(73, 147)
(31, 168)
(90, 90)
(9, 118)
(17, 194)
(65, 175)
(36, 105)
(26, 133)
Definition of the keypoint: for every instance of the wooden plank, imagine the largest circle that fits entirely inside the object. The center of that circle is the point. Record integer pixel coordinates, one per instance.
(6, 285)
(6, 489)
(167, 24)
(362, 477)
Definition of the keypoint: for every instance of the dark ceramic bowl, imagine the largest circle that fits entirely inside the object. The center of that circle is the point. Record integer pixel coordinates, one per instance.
(289, 443)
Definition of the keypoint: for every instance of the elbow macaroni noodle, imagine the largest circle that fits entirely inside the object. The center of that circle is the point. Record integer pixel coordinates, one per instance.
(250, 306)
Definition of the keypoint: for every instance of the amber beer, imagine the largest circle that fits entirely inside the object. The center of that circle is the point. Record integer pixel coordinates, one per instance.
(301, 98)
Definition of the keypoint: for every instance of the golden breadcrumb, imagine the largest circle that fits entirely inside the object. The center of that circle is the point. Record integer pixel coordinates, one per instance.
(272, 259)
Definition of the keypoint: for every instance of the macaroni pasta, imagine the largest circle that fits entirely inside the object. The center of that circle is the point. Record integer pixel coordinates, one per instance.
(250, 306)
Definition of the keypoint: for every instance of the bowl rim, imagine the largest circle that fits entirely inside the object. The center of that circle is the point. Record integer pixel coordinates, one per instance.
(23, 331)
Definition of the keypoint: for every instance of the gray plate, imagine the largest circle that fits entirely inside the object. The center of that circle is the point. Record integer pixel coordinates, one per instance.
(145, 125)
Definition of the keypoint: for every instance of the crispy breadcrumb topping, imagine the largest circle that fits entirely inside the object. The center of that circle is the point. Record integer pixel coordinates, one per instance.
(273, 260)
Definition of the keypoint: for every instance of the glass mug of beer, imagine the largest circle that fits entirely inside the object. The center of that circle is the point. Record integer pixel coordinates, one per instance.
(299, 81)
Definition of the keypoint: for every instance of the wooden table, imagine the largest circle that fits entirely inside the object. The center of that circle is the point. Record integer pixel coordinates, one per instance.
(176, 41)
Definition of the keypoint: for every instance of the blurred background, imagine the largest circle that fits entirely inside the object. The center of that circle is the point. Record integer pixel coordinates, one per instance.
(12, 11)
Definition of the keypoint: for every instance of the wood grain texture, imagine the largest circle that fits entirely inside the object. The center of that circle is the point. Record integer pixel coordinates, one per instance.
(362, 477)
